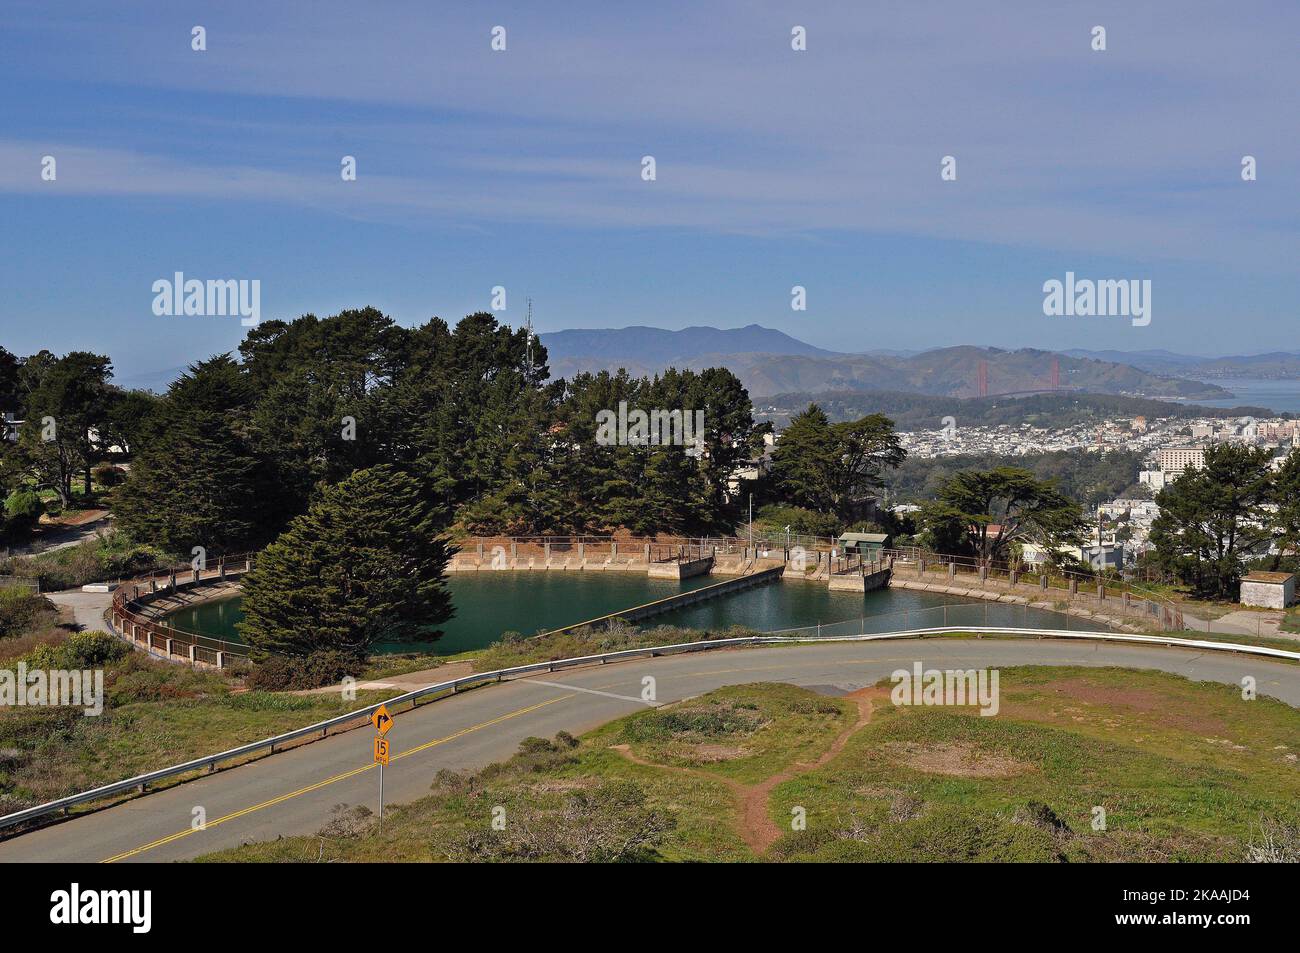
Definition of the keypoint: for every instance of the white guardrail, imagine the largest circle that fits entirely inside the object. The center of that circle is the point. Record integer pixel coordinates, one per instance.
(444, 689)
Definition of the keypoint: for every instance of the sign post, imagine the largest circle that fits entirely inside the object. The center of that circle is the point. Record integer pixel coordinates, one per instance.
(382, 721)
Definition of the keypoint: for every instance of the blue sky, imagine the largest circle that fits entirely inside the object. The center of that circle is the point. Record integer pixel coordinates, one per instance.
(775, 168)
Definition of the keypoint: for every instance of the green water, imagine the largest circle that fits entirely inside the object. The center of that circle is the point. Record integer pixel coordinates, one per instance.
(488, 604)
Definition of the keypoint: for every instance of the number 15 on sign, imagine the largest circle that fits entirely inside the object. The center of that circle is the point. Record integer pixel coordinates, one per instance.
(381, 759)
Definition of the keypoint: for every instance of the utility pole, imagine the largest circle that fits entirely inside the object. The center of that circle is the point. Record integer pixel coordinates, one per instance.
(751, 521)
(1101, 552)
(528, 326)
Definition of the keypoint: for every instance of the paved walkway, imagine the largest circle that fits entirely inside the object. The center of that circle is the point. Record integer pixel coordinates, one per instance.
(1261, 624)
(63, 537)
(87, 608)
(406, 682)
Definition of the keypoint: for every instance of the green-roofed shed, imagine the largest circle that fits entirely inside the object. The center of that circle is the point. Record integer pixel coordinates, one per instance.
(868, 544)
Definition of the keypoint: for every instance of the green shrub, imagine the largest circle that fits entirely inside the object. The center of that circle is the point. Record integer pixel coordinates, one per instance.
(775, 518)
(23, 510)
(79, 650)
(282, 672)
(113, 556)
(710, 720)
(612, 822)
(107, 475)
(139, 678)
(22, 610)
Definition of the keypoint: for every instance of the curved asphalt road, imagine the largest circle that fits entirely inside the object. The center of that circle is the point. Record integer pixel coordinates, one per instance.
(294, 792)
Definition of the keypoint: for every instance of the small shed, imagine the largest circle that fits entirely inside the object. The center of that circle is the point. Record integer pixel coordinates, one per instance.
(868, 545)
(1272, 590)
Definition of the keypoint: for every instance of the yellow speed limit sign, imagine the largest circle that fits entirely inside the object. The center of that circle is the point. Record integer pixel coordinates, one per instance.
(381, 751)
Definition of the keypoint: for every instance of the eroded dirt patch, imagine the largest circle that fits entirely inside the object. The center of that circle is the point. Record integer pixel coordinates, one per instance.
(956, 760)
(756, 826)
(1153, 705)
(711, 754)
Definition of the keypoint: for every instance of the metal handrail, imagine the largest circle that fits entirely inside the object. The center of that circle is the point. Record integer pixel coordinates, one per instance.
(451, 687)
(1174, 611)
(152, 626)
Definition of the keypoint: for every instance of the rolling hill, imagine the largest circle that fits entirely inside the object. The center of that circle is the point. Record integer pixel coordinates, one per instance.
(770, 362)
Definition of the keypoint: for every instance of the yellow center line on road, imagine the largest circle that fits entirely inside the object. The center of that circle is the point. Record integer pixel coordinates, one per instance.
(320, 784)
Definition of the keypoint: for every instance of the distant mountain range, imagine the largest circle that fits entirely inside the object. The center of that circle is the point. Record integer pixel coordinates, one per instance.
(770, 362)
(671, 348)
(1277, 365)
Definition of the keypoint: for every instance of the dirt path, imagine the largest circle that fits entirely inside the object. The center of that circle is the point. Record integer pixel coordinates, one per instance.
(756, 826)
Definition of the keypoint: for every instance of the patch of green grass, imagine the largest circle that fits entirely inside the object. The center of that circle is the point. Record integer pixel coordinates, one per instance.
(1182, 769)
(47, 753)
(389, 665)
(743, 732)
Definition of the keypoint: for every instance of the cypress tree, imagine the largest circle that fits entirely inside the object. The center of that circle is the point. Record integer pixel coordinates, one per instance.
(196, 483)
(363, 565)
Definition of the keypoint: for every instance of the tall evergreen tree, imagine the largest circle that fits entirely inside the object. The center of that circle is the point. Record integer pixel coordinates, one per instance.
(1285, 520)
(834, 468)
(985, 511)
(197, 483)
(320, 388)
(66, 403)
(363, 565)
(1214, 516)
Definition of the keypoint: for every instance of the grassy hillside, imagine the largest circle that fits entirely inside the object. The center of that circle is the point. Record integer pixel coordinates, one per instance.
(949, 371)
(1184, 771)
(155, 713)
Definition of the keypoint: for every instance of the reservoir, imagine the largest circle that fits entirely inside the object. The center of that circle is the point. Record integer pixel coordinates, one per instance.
(489, 604)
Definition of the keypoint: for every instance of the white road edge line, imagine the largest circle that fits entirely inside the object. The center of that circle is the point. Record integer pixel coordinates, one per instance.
(589, 691)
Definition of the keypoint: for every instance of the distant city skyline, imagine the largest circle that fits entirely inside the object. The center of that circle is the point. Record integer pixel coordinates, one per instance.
(774, 168)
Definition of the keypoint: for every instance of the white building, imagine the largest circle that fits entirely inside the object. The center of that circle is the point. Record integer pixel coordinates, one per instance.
(1174, 460)
(1272, 590)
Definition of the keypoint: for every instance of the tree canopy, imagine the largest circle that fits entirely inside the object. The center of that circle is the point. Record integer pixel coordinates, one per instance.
(834, 468)
(363, 565)
(983, 512)
(1212, 517)
(197, 481)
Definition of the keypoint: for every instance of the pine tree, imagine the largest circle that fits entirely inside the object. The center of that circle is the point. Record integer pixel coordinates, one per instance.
(363, 565)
